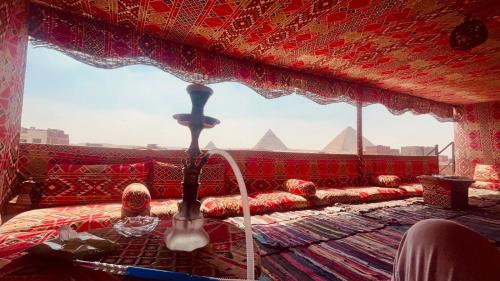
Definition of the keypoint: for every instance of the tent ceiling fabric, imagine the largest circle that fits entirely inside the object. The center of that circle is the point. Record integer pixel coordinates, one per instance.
(396, 45)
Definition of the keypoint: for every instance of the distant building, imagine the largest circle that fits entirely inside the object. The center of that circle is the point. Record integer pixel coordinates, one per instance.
(110, 145)
(270, 142)
(416, 150)
(444, 159)
(346, 142)
(381, 150)
(42, 136)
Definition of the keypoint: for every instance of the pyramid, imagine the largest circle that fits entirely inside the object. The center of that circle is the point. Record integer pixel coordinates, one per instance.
(210, 145)
(270, 142)
(345, 142)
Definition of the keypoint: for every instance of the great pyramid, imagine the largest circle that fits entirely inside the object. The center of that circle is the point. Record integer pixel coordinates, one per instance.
(345, 142)
(210, 145)
(270, 142)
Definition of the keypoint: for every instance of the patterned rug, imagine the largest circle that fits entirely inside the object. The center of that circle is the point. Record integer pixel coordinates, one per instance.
(355, 245)
(313, 229)
(411, 214)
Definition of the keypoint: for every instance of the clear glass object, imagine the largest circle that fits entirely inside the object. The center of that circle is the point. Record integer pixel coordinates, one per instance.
(186, 235)
(136, 226)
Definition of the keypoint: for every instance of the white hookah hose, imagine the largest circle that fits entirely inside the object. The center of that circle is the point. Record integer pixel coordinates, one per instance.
(246, 214)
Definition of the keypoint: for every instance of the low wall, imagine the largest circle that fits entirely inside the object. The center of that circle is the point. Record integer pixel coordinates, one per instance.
(263, 170)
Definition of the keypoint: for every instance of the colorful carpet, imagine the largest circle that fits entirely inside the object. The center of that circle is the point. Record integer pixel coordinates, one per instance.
(486, 226)
(411, 214)
(355, 245)
(364, 256)
(314, 229)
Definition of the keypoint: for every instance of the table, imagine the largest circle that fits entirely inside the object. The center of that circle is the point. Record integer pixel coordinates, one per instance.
(224, 257)
(449, 192)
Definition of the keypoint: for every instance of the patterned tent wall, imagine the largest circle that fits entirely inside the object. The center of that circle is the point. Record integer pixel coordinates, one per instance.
(13, 47)
(109, 46)
(477, 137)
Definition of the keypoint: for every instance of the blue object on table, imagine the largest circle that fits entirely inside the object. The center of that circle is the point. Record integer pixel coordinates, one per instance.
(141, 272)
(155, 274)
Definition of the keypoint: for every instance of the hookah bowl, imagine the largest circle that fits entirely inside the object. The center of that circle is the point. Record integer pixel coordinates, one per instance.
(187, 233)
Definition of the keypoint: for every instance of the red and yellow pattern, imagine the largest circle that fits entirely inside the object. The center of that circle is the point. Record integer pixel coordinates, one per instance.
(13, 244)
(259, 202)
(68, 184)
(303, 188)
(167, 180)
(136, 200)
(386, 180)
(80, 217)
(477, 137)
(13, 46)
(330, 196)
(486, 185)
(402, 46)
(484, 172)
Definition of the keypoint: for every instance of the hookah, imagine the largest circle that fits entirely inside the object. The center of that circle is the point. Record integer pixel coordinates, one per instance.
(187, 232)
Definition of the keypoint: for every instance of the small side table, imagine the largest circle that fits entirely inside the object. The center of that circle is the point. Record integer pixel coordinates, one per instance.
(449, 192)
(223, 257)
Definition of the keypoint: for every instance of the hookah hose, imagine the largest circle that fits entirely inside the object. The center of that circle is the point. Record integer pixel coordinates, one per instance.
(154, 274)
(146, 273)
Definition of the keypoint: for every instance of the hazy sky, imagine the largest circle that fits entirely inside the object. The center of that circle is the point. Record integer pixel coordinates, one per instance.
(134, 106)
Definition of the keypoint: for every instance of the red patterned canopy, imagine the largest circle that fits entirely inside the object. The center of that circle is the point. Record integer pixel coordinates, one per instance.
(368, 51)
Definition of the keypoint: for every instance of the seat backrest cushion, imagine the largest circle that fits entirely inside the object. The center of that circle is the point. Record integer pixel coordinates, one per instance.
(68, 184)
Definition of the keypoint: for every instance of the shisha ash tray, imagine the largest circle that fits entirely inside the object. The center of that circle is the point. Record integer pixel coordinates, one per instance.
(136, 226)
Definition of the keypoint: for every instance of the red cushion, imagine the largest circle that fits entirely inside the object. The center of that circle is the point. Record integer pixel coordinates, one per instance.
(386, 180)
(412, 189)
(484, 172)
(331, 196)
(167, 179)
(300, 187)
(136, 200)
(78, 184)
(259, 202)
(486, 185)
(80, 217)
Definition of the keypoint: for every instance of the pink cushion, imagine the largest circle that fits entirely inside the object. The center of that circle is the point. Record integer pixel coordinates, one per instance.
(300, 187)
(483, 172)
(167, 179)
(386, 180)
(136, 200)
(68, 184)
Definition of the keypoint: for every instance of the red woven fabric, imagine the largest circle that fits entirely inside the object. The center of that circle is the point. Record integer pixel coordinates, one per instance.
(489, 173)
(386, 180)
(331, 196)
(136, 200)
(80, 217)
(13, 45)
(259, 202)
(486, 185)
(75, 184)
(303, 188)
(102, 43)
(167, 180)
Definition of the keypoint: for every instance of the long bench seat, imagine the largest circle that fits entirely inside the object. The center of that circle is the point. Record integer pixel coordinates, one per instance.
(90, 216)
(68, 197)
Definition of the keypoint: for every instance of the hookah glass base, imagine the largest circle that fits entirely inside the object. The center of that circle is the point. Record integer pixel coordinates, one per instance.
(186, 234)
